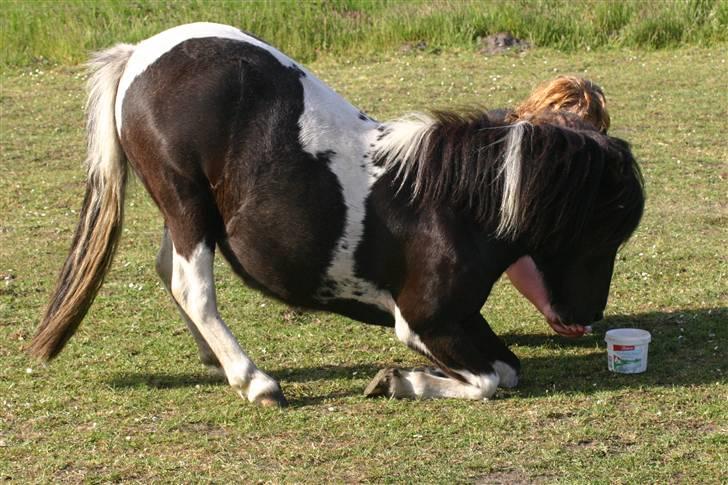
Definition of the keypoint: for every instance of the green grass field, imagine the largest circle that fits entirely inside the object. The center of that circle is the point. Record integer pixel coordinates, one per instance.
(128, 400)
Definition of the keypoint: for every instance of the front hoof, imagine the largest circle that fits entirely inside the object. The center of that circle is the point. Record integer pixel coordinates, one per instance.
(270, 400)
(381, 385)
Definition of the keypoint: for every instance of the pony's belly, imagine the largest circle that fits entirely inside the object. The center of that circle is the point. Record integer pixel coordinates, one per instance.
(352, 288)
(290, 282)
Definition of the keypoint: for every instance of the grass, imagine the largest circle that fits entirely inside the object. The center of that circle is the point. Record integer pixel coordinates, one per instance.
(128, 400)
(29, 31)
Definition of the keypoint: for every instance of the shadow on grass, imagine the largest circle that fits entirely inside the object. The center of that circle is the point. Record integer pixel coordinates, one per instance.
(688, 348)
(301, 374)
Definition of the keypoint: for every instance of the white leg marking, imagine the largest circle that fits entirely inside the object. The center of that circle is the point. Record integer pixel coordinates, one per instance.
(508, 375)
(194, 289)
(164, 270)
(424, 385)
(406, 335)
(487, 384)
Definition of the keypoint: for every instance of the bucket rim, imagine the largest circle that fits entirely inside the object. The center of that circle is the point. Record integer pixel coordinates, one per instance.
(628, 336)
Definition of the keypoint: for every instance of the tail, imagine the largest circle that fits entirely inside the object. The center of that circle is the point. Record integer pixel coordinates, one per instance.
(99, 227)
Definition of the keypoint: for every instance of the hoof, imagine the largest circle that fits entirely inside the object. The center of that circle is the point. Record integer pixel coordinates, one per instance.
(381, 384)
(271, 400)
(215, 370)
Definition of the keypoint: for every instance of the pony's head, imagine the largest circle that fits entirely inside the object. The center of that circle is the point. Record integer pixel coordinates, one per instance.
(579, 210)
(568, 197)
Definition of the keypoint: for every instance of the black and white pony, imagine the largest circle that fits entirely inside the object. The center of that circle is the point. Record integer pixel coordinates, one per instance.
(406, 223)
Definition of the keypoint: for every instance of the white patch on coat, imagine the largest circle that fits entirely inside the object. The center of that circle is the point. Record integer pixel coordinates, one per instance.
(148, 51)
(193, 287)
(328, 124)
(332, 127)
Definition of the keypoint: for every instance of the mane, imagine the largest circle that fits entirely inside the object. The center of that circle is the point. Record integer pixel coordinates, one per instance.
(541, 182)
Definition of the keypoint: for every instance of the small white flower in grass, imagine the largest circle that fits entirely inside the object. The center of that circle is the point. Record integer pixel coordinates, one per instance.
(28, 370)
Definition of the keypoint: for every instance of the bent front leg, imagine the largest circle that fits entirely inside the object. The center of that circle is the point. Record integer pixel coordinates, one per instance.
(472, 358)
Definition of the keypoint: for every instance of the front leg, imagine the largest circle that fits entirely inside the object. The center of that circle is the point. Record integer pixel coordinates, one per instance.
(472, 358)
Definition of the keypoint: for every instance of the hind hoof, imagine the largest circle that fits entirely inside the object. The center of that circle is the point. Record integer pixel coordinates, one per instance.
(381, 385)
(271, 400)
(215, 371)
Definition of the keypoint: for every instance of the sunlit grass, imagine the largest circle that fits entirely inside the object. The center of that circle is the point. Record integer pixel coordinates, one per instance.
(128, 400)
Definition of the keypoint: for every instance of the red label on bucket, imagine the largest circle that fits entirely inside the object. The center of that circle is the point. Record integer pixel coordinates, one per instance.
(624, 347)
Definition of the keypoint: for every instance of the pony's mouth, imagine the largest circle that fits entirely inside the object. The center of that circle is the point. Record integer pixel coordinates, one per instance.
(557, 315)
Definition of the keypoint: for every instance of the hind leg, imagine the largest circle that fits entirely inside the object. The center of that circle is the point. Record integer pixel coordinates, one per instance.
(164, 270)
(194, 226)
(473, 361)
(193, 287)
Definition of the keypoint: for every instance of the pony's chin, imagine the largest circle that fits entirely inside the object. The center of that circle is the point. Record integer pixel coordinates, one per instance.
(560, 317)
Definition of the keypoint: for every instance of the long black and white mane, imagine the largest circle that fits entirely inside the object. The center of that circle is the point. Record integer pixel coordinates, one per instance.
(543, 180)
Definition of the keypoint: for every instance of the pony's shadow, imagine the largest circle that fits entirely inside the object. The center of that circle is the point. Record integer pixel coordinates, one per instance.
(687, 348)
(300, 374)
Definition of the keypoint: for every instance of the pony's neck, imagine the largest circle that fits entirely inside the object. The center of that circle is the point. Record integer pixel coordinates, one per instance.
(452, 159)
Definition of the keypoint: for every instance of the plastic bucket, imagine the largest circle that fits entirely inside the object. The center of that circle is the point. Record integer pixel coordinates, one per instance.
(627, 350)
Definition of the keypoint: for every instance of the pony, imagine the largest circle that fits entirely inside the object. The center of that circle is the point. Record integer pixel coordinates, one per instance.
(406, 223)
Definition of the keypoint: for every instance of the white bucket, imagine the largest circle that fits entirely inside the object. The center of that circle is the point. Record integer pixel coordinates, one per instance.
(627, 350)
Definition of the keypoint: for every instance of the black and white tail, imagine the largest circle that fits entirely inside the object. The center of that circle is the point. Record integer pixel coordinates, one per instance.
(99, 227)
